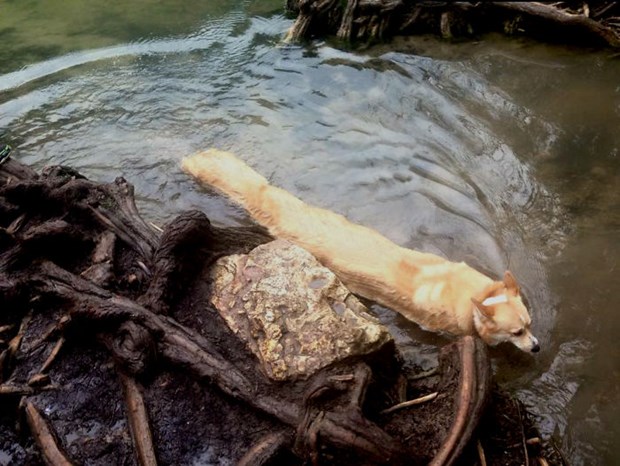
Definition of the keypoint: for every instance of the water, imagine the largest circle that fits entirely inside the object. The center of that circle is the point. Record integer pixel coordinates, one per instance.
(501, 153)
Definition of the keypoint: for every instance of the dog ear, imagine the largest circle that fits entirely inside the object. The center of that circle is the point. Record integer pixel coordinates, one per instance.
(486, 311)
(511, 282)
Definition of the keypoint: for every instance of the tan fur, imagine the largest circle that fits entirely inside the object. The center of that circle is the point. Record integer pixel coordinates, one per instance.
(437, 294)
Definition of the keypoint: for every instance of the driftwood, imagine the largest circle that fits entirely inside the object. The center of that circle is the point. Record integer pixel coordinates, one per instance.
(82, 276)
(355, 20)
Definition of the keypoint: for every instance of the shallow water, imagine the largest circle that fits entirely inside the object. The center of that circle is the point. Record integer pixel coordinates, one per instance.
(501, 153)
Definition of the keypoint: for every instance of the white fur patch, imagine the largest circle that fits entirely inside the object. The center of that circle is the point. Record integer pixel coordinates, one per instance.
(495, 300)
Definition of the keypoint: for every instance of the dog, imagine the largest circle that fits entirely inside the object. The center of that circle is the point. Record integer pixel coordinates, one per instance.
(437, 294)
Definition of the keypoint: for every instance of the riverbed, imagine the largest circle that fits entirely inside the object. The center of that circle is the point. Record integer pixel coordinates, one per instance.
(501, 152)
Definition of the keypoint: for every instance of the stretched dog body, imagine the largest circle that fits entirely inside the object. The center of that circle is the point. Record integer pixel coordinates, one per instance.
(437, 294)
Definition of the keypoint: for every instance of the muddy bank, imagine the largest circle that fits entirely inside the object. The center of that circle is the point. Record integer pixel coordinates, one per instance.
(111, 352)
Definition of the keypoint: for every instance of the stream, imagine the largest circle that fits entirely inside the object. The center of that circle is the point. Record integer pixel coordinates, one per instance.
(504, 153)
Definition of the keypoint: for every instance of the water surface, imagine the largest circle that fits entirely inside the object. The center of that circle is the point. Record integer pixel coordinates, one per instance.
(501, 153)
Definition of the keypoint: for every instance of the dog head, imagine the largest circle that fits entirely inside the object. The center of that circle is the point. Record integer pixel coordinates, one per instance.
(501, 316)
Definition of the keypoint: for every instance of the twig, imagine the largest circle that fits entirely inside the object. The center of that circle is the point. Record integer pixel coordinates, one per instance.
(4, 358)
(266, 448)
(144, 268)
(426, 374)
(44, 437)
(481, 456)
(550, 13)
(16, 224)
(405, 404)
(16, 341)
(51, 331)
(8, 355)
(599, 12)
(156, 227)
(138, 422)
(38, 380)
(533, 441)
(10, 389)
(50, 359)
(523, 440)
(559, 452)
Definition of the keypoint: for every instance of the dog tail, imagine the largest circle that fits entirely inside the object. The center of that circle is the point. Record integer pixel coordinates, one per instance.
(225, 172)
(230, 175)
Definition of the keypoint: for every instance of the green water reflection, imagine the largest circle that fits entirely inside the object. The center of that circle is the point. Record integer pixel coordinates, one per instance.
(35, 30)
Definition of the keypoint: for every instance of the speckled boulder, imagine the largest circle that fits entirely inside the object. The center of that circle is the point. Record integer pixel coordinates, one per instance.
(293, 313)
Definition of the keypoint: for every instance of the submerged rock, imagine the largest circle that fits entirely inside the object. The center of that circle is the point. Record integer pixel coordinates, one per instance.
(293, 313)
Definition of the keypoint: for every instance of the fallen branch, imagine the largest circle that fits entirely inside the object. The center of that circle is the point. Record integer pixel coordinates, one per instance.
(557, 16)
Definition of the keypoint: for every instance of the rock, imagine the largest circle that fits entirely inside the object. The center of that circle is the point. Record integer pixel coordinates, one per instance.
(293, 313)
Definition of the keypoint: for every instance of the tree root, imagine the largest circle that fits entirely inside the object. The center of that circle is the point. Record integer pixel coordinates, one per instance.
(44, 437)
(54, 353)
(406, 404)
(473, 384)
(575, 21)
(138, 422)
(377, 19)
(266, 449)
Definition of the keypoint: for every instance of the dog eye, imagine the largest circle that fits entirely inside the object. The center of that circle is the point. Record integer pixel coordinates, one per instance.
(518, 333)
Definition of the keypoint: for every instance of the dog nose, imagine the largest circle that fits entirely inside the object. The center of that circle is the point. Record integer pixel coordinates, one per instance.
(535, 348)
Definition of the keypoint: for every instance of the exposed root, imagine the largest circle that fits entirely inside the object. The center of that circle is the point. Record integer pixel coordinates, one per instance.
(53, 355)
(39, 380)
(16, 341)
(10, 389)
(138, 422)
(5, 328)
(523, 439)
(473, 385)
(423, 375)
(7, 357)
(375, 19)
(481, 455)
(266, 449)
(44, 437)
(557, 16)
(406, 404)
